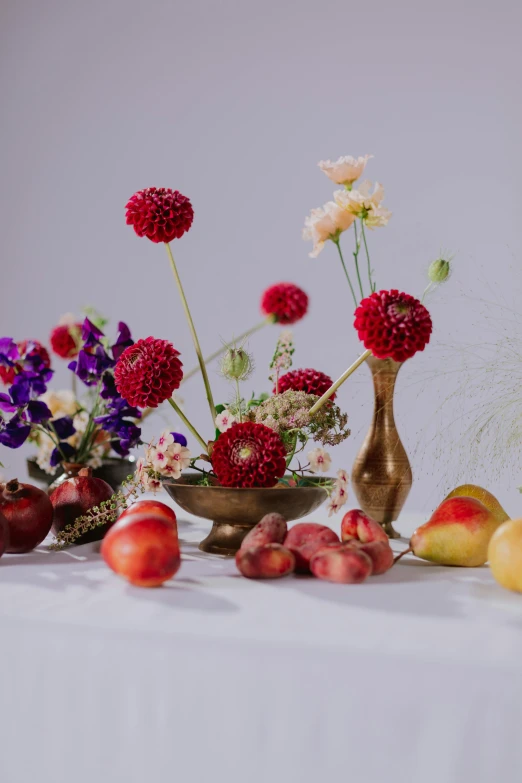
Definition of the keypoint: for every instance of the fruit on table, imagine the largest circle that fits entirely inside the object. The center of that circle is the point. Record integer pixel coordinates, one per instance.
(485, 497)
(457, 534)
(154, 507)
(143, 548)
(272, 529)
(74, 498)
(4, 534)
(268, 561)
(505, 555)
(29, 514)
(345, 564)
(357, 525)
(305, 539)
(379, 552)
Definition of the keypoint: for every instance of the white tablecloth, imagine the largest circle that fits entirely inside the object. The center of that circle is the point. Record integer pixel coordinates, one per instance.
(413, 676)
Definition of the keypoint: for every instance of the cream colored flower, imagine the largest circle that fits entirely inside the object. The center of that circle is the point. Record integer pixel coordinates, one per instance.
(319, 460)
(365, 204)
(325, 223)
(225, 420)
(344, 171)
(60, 403)
(342, 478)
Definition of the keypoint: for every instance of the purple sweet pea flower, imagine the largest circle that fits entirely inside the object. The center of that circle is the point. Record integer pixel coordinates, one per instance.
(124, 340)
(14, 433)
(8, 352)
(58, 454)
(179, 438)
(91, 335)
(63, 427)
(21, 390)
(38, 412)
(6, 404)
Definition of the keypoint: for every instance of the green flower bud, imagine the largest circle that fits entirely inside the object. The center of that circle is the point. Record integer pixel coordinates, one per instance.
(236, 364)
(439, 270)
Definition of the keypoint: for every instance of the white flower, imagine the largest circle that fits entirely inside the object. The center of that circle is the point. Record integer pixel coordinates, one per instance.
(158, 458)
(150, 483)
(225, 420)
(344, 171)
(319, 460)
(326, 223)
(165, 440)
(178, 460)
(68, 319)
(342, 478)
(365, 204)
(60, 403)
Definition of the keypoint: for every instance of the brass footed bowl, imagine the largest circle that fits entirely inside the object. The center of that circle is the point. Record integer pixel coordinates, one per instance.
(235, 511)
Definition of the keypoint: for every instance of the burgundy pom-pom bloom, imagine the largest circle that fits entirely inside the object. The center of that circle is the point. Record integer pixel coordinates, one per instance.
(393, 325)
(309, 381)
(62, 340)
(148, 372)
(249, 455)
(160, 214)
(286, 302)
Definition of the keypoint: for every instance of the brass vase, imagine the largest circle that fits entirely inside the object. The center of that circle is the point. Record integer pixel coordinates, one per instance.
(381, 475)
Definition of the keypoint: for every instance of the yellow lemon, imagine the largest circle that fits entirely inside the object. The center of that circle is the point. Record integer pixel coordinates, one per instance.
(505, 555)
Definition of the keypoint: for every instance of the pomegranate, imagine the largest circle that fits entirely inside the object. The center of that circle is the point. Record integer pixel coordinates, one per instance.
(75, 497)
(142, 548)
(4, 534)
(154, 508)
(29, 514)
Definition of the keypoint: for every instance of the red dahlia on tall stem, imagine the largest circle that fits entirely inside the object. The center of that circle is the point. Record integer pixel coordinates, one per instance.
(391, 325)
(161, 215)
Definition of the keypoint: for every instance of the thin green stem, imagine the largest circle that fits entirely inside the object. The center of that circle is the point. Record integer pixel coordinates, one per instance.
(187, 423)
(338, 245)
(372, 284)
(238, 401)
(356, 258)
(333, 388)
(216, 354)
(194, 335)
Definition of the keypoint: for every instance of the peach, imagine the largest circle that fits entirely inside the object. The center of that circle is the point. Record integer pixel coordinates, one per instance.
(272, 529)
(343, 564)
(154, 507)
(305, 539)
(380, 553)
(356, 524)
(143, 549)
(268, 561)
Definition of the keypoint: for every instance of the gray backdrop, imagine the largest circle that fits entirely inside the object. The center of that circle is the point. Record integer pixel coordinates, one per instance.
(234, 103)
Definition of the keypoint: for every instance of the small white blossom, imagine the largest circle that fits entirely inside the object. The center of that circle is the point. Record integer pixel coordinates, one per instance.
(225, 420)
(319, 460)
(165, 440)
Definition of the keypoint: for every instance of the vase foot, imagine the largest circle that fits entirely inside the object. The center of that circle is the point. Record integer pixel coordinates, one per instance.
(225, 538)
(390, 530)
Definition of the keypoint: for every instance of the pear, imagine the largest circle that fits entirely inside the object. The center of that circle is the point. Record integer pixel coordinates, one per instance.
(505, 555)
(458, 533)
(485, 497)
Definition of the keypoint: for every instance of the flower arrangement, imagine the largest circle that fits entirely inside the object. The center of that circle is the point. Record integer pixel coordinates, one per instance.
(253, 442)
(66, 428)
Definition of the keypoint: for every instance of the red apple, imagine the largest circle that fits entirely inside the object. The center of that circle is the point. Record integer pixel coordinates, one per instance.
(29, 514)
(153, 507)
(144, 549)
(74, 498)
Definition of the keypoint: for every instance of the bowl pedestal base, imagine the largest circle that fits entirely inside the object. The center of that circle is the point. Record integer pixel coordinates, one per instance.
(225, 538)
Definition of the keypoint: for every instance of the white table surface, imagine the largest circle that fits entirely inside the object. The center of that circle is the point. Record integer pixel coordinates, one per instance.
(415, 675)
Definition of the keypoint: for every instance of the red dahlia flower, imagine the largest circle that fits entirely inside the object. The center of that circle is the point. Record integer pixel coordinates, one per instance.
(64, 340)
(148, 372)
(286, 302)
(160, 214)
(309, 381)
(393, 325)
(249, 455)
